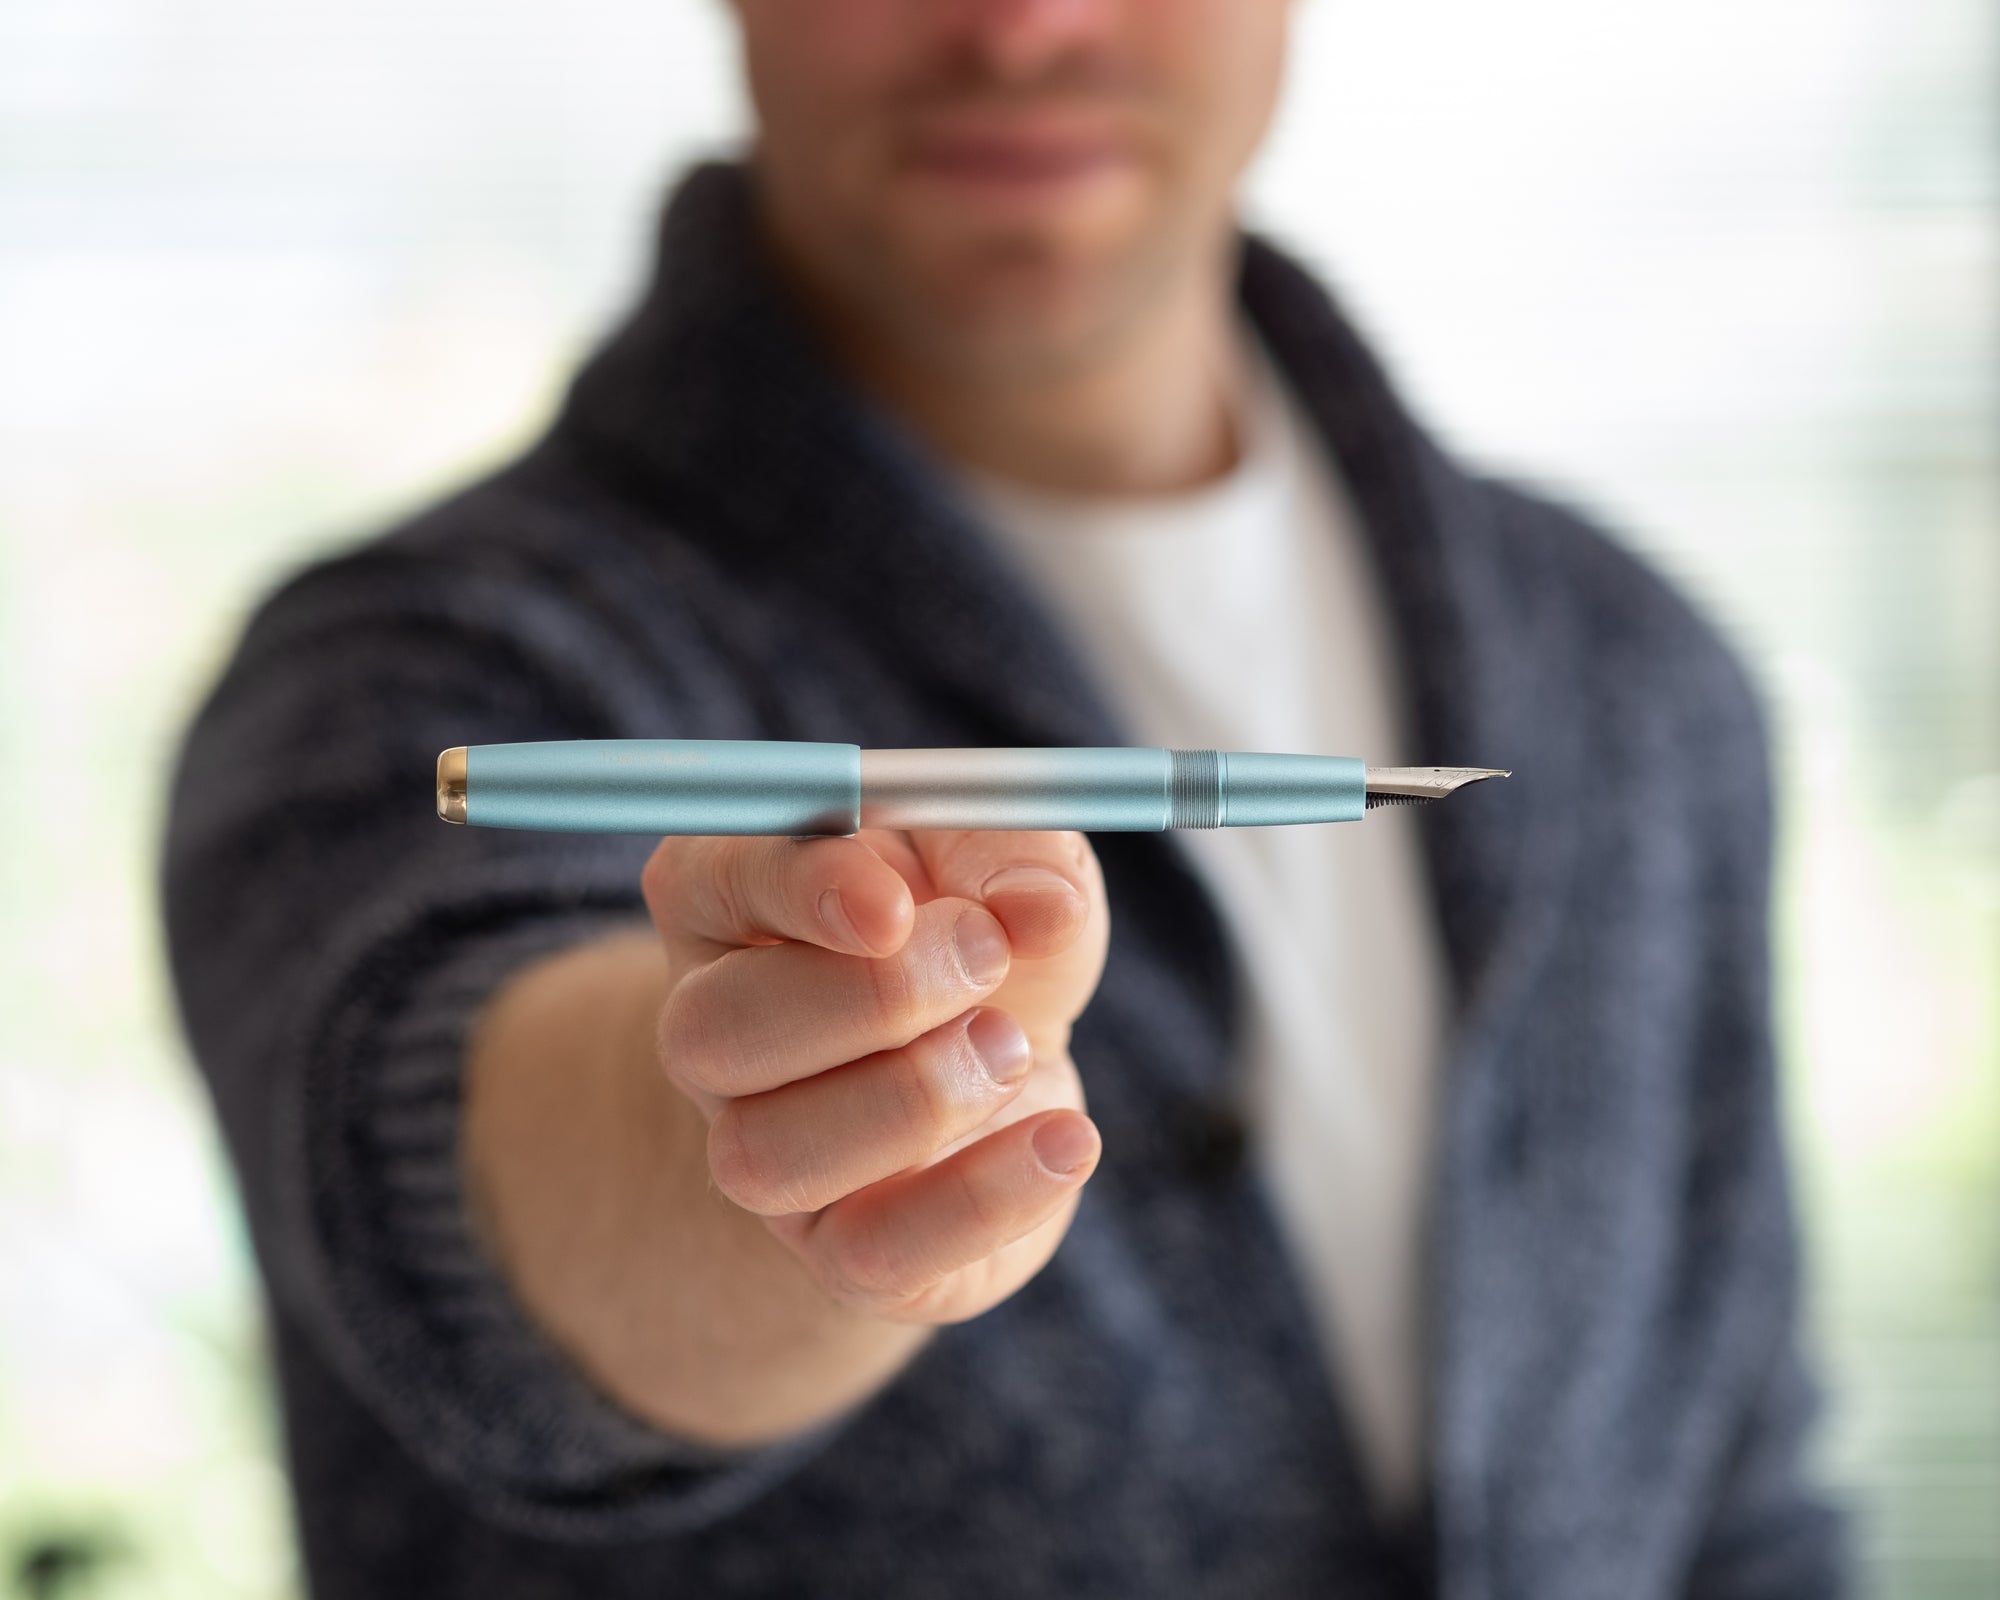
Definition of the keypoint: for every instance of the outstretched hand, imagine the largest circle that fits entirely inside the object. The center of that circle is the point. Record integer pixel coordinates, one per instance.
(876, 1029)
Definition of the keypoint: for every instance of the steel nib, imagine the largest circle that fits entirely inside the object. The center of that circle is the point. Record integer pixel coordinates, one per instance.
(1414, 786)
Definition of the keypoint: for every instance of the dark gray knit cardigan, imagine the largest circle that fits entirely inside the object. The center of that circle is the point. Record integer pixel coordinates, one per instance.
(716, 539)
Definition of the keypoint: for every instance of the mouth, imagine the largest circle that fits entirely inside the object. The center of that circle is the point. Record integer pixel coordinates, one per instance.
(1020, 155)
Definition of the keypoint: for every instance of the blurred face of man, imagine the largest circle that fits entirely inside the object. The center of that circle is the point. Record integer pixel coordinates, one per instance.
(1006, 185)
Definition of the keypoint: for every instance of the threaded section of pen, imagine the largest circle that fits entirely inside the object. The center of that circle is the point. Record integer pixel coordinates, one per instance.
(1194, 789)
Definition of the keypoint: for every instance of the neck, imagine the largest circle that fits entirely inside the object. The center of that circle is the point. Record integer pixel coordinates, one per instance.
(1150, 408)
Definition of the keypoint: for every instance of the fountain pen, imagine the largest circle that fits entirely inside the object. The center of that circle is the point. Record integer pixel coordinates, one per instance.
(774, 786)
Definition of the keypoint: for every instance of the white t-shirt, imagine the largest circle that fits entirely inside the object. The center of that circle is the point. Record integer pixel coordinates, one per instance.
(1243, 616)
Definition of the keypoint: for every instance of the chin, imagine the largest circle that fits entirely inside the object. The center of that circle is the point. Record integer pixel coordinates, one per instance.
(1016, 299)
(1000, 323)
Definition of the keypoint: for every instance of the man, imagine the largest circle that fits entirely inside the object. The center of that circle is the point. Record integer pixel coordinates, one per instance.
(1386, 1210)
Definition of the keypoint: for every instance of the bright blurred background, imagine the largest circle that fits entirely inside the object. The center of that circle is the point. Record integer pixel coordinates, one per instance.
(1725, 271)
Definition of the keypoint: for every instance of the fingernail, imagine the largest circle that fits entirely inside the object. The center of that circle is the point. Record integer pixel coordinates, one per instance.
(1028, 880)
(1062, 1144)
(982, 946)
(834, 918)
(1001, 1045)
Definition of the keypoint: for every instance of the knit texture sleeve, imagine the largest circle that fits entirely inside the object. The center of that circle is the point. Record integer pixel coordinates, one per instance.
(331, 942)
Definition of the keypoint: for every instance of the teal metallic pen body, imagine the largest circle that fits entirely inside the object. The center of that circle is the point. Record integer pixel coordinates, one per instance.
(750, 786)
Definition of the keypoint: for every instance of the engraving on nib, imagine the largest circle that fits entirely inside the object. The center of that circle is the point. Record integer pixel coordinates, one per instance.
(1415, 786)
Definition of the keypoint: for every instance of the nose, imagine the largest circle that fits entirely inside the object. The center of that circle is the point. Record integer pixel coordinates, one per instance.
(1018, 39)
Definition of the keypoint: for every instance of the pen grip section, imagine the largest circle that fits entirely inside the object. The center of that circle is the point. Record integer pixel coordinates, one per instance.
(1267, 789)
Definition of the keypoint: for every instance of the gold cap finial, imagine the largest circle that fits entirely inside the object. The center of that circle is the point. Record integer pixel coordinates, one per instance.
(451, 784)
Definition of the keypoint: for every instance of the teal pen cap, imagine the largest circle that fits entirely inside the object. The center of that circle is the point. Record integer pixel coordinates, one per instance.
(771, 786)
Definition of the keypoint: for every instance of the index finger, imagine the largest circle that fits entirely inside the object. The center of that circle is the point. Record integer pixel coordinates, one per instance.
(1038, 884)
(743, 890)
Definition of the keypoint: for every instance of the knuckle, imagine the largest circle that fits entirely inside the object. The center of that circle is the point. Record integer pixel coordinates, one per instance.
(731, 1162)
(982, 1209)
(952, 849)
(755, 881)
(706, 884)
(684, 1039)
(923, 1306)
(774, 1177)
(894, 991)
(687, 884)
(863, 1268)
(659, 880)
(920, 1095)
(752, 1174)
(737, 880)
